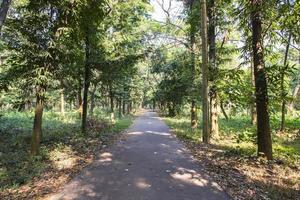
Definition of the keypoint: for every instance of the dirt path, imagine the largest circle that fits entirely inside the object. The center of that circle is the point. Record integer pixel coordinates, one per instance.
(151, 164)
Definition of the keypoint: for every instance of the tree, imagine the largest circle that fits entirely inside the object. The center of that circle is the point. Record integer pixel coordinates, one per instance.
(205, 71)
(214, 125)
(264, 140)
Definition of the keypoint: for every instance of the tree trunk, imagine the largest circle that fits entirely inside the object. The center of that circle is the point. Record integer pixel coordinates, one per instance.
(283, 92)
(111, 97)
(120, 108)
(205, 72)
(3, 11)
(214, 112)
(129, 106)
(62, 103)
(193, 114)
(124, 107)
(93, 100)
(80, 102)
(295, 95)
(87, 72)
(193, 70)
(223, 111)
(253, 104)
(264, 140)
(37, 124)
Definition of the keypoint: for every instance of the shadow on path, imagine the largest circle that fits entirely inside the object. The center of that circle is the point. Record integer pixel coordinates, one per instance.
(151, 164)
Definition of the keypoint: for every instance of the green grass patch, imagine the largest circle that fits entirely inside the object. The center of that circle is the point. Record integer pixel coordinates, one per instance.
(61, 136)
(122, 123)
(238, 137)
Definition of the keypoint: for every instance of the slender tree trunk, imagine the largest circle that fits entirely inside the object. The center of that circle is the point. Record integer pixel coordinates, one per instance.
(283, 92)
(37, 124)
(120, 108)
(80, 101)
(253, 104)
(111, 97)
(205, 72)
(3, 11)
(193, 114)
(214, 111)
(129, 106)
(93, 100)
(87, 74)
(193, 70)
(62, 103)
(193, 103)
(124, 107)
(295, 95)
(223, 111)
(264, 140)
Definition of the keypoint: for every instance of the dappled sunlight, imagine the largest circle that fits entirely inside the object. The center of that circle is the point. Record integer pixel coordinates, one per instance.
(105, 157)
(165, 145)
(135, 133)
(63, 159)
(169, 161)
(142, 183)
(189, 176)
(159, 133)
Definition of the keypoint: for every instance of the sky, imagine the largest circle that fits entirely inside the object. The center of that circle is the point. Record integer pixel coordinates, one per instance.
(159, 14)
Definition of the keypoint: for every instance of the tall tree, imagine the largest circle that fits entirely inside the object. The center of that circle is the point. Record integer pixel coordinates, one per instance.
(264, 140)
(214, 125)
(205, 73)
(192, 33)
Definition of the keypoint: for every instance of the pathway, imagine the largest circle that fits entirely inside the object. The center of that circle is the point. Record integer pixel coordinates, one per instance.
(151, 164)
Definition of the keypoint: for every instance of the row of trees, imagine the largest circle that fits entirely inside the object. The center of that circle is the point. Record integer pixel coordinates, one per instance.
(248, 60)
(83, 50)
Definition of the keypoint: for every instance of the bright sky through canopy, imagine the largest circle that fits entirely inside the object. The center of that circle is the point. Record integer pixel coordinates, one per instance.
(173, 6)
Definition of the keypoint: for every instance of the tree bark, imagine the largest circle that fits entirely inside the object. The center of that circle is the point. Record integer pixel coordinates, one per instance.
(193, 70)
(62, 103)
(295, 95)
(93, 100)
(205, 72)
(214, 111)
(283, 92)
(3, 11)
(79, 96)
(223, 111)
(111, 97)
(120, 108)
(37, 124)
(87, 74)
(264, 140)
(123, 107)
(253, 104)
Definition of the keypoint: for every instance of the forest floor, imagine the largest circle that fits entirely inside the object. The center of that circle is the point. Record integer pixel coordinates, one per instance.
(232, 160)
(64, 151)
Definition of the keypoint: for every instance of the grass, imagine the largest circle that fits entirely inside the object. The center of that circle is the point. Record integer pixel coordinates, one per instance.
(231, 158)
(63, 147)
(238, 134)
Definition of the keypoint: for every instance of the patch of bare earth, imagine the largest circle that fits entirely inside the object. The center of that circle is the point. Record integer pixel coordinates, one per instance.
(248, 177)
